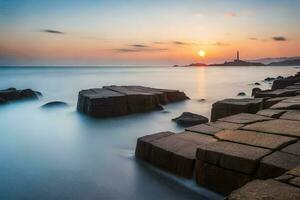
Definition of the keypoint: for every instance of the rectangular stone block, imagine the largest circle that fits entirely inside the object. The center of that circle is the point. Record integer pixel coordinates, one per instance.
(244, 118)
(272, 101)
(278, 126)
(291, 115)
(265, 190)
(274, 113)
(229, 107)
(219, 179)
(225, 125)
(204, 129)
(293, 149)
(255, 138)
(276, 93)
(276, 164)
(238, 157)
(289, 103)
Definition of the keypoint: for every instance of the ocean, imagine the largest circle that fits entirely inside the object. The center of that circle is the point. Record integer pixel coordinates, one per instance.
(61, 154)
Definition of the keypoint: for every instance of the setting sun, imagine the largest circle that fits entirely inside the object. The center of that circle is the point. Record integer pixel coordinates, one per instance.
(201, 53)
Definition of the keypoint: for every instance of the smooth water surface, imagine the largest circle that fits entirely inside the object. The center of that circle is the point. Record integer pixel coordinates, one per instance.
(59, 154)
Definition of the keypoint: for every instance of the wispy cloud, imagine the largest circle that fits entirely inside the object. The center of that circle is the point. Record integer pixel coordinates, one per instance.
(221, 44)
(139, 48)
(231, 14)
(52, 31)
(279, 38)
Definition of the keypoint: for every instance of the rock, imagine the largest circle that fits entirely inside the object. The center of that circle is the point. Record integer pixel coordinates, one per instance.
(241, 94)
(271, 113)
(272, 101)
(276, 93)
(282, 83)
(201, 100)
(255, 91)
(293, 149)
(295, 181)
(176, 153)
(2, 101)
(190, 119)
(244, 118)
(204, 129)
(264, 190)
(276, 164)
(233, 156)
(229, 107)
(295, 171)
(278, 126)
(12, 94)
(284, 178)
(257, 83)
(226, 125)
(288, 103)
(219, 179)
(269, 79)
(253, 138)
(291, 115)
(111, 101)
(54, 104)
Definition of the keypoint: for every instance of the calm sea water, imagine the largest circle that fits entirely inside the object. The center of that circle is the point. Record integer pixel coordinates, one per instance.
(59, 154)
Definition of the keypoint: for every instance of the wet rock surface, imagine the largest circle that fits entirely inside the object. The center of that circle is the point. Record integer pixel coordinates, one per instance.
(112, 101)
(54, 104)
(12, 94)
(190, 119)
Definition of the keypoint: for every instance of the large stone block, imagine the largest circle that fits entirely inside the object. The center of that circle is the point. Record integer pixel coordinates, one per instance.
(289, 103)
(255, 138)
(204, 129)
(276, 93)
(111, 101)
(238, 157)
(272, 101)
(244, 118)
(293, 149)
(229, 107)
(219, 179)
(276, 164)
(266, 190)
(283, 83)
(144, 144)
(176, 153)
(225, 125)
(274, 113)
(291, 115)
(278, 126)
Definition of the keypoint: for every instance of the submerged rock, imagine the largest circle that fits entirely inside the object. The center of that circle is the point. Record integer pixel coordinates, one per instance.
(256, 83)
(112, 101)
(241, 94)
(255, 91)
(12, 94)
(190, 119)
(54, 104)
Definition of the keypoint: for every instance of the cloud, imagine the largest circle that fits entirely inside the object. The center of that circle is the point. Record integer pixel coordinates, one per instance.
(51, 31)
(279, 38)
(139, 45)
(179, 43)
(231, 14)
(221, 44)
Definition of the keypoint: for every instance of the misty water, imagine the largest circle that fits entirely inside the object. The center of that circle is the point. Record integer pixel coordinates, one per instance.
(60, 154)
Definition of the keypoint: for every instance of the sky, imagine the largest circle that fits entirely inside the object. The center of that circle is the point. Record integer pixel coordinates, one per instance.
(145, 32)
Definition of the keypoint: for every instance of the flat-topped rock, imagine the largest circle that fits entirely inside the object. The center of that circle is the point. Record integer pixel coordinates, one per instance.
(277, 126)
(204, 129)
(274, 113)
(219, 179)
(225, 125)
(295, 171)
(295, 181)
(144, 144)
(264, 190)
(272, 101)
(229, 107)
(190, 119)
(175, 153)
(244, 118)
(293, 149)
(111, 101)
(276, 93)
(276, 164)
(255, 138)
(238, 157)
(289, 103)
(291, 115)
(283, 83)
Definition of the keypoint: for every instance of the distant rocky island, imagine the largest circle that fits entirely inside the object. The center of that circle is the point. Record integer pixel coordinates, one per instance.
(237, 62)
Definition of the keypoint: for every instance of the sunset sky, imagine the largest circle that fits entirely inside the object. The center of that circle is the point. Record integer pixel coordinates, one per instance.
(145, 32)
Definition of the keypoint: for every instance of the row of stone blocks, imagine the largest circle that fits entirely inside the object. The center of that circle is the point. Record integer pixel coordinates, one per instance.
(226, 154)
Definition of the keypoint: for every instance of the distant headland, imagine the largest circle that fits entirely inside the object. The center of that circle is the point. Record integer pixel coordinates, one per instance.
(238, 62)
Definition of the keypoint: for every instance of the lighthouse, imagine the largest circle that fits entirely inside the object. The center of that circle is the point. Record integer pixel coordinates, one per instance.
(237, 56)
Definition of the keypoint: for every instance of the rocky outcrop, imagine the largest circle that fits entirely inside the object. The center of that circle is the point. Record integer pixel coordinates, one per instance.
(111, 101)
(12, 94)
(229, 107)
(54, 104)
(190, 119)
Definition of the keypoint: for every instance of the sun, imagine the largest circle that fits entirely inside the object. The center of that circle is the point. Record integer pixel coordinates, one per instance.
(201, 53)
